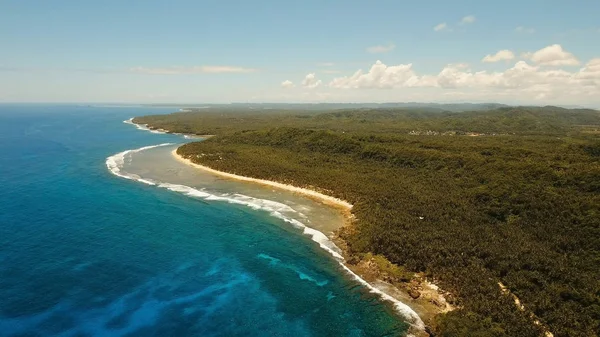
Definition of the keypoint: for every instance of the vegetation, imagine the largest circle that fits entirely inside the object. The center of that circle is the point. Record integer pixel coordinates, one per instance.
(388, 268)
(517, 202)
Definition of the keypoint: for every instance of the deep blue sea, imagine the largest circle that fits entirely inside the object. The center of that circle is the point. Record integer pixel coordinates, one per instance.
(86, 253)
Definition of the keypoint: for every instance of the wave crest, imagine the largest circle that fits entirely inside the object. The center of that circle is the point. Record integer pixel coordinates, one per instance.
(115, 163)
(143, 127)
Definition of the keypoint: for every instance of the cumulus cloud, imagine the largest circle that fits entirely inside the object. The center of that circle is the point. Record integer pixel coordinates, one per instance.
(287, 84)
(553, 55)
(502, 55)
(523, 79)
(191, 70)
(593, 66)
(467, 20)
(379, 76)
(381, 49)
(310, 81)
(441, 27)
(453, 76)
(590, 74)
(524, 30)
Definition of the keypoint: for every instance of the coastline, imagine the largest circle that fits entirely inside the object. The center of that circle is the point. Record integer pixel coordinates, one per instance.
(146, 127)
(326, 199)
(420, 308)
(418, 311)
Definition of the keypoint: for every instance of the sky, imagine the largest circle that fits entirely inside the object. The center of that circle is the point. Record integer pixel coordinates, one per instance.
(220, 51)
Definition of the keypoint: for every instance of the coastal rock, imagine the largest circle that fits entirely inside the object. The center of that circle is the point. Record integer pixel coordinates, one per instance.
(414, 293)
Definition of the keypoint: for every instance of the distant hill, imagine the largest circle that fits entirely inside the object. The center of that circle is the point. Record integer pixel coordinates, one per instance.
(454, 107)
(221, 119)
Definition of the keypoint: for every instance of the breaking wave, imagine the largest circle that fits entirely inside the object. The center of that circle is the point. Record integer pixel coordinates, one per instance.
(144, 127)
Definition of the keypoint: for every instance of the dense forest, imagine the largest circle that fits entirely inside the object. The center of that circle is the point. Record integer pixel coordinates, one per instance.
(472, 198)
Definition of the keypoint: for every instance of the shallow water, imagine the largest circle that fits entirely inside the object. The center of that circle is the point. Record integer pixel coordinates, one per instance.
(158, 164)
(86, 253)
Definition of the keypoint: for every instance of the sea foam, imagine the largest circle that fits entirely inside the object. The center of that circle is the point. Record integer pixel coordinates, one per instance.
(143, 127)
(115, 163)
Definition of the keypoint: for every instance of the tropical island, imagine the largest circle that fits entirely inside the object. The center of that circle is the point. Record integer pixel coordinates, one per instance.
(497, 205)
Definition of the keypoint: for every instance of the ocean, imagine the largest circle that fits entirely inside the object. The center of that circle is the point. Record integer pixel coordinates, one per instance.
(85, 252)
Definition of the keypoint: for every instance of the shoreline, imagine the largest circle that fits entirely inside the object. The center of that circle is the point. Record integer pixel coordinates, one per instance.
(146, 127)
(421, 309)
(326, 199)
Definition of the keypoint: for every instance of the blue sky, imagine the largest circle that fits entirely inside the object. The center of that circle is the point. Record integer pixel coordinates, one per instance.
(301, 51)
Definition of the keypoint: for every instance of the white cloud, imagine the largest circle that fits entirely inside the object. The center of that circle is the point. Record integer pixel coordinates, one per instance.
(310, 81)
(553, 55)
(590, 74)
(524, 30)
(191, 70)
(526, 81)
(381, 49)
(287, 84)
(467, 20)
(441, 27)
(593, 66)
(523, 80)
(453, 76)
(521, 77)
(379, 76)
(502, 55)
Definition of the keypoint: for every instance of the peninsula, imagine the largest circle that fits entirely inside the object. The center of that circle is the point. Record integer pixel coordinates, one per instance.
(491, 205)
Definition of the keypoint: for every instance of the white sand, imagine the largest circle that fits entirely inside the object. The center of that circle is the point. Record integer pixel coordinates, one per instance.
(326, 199)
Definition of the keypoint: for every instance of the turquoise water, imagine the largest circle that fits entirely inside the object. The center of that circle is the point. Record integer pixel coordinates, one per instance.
(86, 253)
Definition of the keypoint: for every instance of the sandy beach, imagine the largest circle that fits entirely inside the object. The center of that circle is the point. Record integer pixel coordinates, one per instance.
(326, 199)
